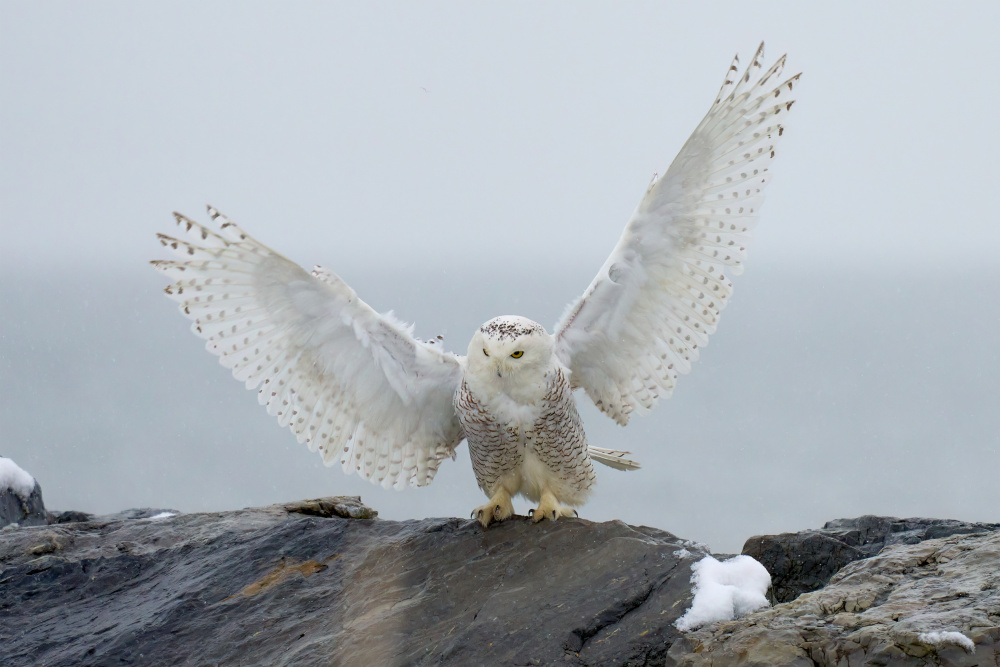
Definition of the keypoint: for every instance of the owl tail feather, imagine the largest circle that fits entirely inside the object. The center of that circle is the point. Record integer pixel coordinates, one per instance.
(613, 458)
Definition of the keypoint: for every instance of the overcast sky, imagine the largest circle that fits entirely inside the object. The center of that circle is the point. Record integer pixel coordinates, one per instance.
(441, 132)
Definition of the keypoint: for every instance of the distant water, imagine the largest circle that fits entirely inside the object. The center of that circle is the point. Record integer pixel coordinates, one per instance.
(825, 394)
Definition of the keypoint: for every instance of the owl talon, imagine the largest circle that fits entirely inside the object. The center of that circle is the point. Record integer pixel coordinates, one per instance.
(550, 508)
(500, 508)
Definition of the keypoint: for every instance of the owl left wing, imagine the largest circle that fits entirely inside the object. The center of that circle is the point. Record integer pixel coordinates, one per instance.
(351, 383)
(659, 295)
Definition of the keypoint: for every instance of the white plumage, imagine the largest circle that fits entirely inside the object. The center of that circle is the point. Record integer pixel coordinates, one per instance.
(360, 389)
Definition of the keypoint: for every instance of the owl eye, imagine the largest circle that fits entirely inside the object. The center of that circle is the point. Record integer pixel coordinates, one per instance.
(518, 354)
(485, 352)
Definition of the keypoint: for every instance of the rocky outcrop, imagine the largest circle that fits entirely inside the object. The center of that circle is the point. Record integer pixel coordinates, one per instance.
(299, 584)
(805, 561)
(324, 582)
(936, 602)
(23, 510)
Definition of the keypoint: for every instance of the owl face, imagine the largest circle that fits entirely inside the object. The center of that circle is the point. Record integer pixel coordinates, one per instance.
(510, 347)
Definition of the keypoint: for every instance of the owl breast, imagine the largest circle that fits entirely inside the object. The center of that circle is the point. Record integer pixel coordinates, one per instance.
(527, 447)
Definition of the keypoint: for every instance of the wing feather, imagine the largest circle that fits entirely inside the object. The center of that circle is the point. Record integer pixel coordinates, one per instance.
(350, 383)
(658, 297)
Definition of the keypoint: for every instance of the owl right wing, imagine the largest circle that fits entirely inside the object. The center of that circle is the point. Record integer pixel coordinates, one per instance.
(351, 383)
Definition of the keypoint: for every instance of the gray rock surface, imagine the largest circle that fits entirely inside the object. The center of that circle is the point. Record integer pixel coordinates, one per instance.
(805, 561)
(28, 511)
(876, 611)
(323, 582)
(300, 585)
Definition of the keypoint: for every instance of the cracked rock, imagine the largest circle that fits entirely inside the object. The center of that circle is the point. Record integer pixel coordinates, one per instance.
(805, 561)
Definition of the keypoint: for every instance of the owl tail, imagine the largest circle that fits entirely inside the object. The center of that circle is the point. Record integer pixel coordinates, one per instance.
(613, 458)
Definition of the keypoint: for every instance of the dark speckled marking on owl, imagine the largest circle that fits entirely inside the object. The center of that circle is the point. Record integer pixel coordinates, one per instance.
(556, 438)
(507, 330)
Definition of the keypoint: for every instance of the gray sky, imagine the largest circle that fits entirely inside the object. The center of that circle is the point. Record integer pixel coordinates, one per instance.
(432, 132)
(459, 161)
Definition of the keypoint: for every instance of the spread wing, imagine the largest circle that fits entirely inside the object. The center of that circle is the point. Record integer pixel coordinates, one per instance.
(349, 382)
(659, 295)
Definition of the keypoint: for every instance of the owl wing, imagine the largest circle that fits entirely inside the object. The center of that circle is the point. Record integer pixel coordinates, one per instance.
(351, 383)
(659, 295)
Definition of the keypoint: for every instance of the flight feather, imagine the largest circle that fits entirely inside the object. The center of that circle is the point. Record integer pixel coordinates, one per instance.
(351, 383)
(658, 297)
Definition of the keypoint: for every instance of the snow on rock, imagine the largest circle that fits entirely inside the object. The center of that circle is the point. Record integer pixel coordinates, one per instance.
(940, 639)
(163, 515)
(724, 591)
(15, 478)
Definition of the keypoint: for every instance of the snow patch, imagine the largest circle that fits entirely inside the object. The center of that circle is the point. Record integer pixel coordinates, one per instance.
(725, 591)
(163, 515)
(939, 639)
(13, 477)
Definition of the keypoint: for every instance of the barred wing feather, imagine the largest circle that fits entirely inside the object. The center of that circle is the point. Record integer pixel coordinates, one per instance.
(351, 383)
(659, 295)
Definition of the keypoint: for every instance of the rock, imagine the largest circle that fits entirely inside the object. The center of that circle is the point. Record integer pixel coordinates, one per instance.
(346, 507)
(805, 561)
(20, 496)
(24, 511)
(297, 584)
(69, 517)
(912, 604)
(323, 582)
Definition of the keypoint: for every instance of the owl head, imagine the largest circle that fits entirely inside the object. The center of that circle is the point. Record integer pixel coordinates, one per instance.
(512, 347)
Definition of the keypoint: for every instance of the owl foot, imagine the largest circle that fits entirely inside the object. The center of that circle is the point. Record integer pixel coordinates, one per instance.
(498, 509)
(551, 509)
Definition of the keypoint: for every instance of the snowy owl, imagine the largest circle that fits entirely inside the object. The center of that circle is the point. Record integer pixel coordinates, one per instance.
(358, 387)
